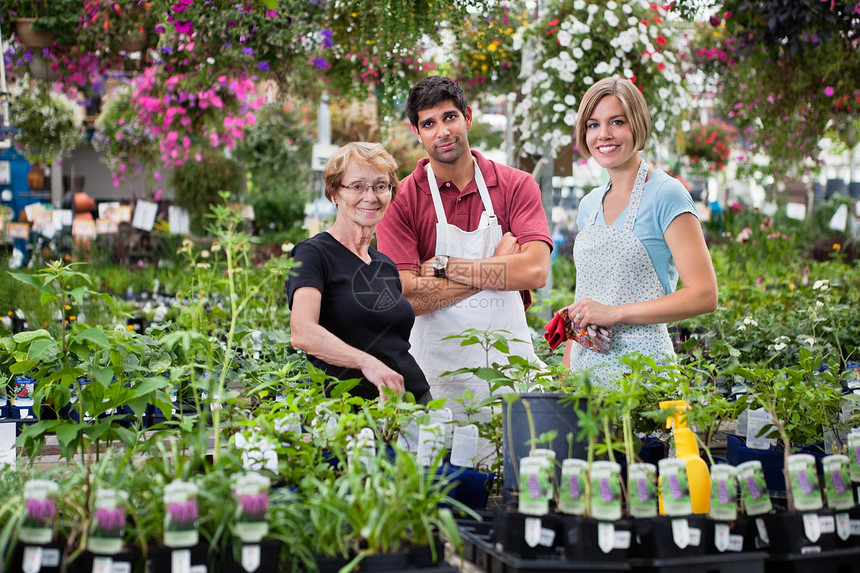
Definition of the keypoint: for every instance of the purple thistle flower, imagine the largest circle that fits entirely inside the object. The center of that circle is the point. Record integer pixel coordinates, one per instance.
(605, 491)
(573, 487)
(183, 513)
(838, 483)
(755, 491)
(41, 510)
(254, 505)
(110, 520)
(723, 492)
(642, 490)
(803, 481)
(534, 486)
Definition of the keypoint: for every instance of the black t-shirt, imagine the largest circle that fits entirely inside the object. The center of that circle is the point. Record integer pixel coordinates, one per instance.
(363, 305)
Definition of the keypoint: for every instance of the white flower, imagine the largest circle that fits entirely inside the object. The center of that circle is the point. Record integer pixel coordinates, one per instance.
(657, 57)
(659, 125)
(579, 5)
(592, 9)
(632, 21)
(611, 18)
(588, 80)
(7, 322)
(601, 69)
(742, 327)
(822, 284)
(819, 304)
(564, 38)
(626, 8)
(779, 346)
(586, 44)
(810, 341)
(750, 321)
(577, 52)
(611, 5)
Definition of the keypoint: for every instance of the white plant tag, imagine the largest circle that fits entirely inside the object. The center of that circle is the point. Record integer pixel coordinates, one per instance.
(811, 526)
(622, 539)
(695, 536)
(180, 561)
(102, 565)
(736, 543)
(434, 436)
(762, 530)
(50, 557)
(532, 531)
(250, 558)
(547, 536)
(464, 447)
(855, 527)
(843, 526)
(681, 532)
(121, 567)
(826, 523)
(605, 536)
(408, 438)
(32, 561)
(721, 537)
(756, 420)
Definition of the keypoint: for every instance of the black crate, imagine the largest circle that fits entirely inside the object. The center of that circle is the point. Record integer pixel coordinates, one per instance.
(833, 561)
(744, 562)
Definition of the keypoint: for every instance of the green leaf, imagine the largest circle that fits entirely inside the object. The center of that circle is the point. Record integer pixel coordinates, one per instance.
(68, 433)
(103, 376)
(39, 347)
(30, 335)
(21, 367)
(27, 279)
(94, 335)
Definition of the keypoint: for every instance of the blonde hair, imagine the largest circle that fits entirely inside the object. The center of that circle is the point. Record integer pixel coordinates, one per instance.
(633, 102)
(371, 154)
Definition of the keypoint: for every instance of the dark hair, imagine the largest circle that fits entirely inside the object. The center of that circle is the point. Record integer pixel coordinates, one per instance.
(432, 91)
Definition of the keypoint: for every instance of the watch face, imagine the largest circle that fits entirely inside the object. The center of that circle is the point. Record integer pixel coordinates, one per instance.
(440, 262)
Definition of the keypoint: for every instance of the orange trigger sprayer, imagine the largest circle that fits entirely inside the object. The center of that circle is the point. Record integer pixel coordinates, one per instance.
(698, 475)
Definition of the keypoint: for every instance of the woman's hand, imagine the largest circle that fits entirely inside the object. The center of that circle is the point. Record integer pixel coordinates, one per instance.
(586, 311)
(380, 375)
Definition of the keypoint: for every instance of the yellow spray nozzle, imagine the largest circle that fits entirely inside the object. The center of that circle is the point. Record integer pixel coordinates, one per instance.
(678, 419)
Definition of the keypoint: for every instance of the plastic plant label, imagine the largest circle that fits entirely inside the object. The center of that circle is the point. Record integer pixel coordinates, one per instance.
(642, 490)
(571, 491)
(251, 493)
(722, 533)
(180, 561)
(250, 558)
(362, 448)
(837, 484)
(180, 516)
(605, 483)
(803, 481)
(622, 539)
(854, 454)
(550, 455)
(535, 485)
(681, 532)
(102, 565)
(40, 508)
(24, 388)
(736, 543)
(434, 437)
(855, 526)
(811, 526)
(108, 524)
(32, 559)
(843, 526)
(674, 487)
(532, 531)
(756, 420)
(606, 536)
(827, 523)
(724, 493)
(761, 527)
(464, 446)
(753, 489)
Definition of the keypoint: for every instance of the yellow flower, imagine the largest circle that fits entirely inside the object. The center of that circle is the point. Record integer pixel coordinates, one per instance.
(492, 47)
(68, 307)
(72, 317)
(836, 246)
(9, 313)
(130, 327)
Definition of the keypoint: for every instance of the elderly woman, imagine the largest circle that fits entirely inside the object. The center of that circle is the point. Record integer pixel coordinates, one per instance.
(348, 310)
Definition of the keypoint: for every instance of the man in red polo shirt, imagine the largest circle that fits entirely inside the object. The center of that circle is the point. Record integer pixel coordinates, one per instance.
(466, 234)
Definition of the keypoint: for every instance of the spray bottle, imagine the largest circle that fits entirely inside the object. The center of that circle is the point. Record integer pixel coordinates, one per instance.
(686, 448)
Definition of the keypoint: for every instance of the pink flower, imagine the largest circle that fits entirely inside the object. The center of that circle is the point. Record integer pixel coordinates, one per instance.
(828, 91)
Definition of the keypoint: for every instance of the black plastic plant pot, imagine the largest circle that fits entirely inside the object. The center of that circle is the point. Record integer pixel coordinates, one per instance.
(270, 555)
(655, 537)
(743, 533)
(581, 539)
(385, 562)
(429, 555)
(51, 556)
(85, 562)
(330, 564)
(853, 540)
(161, 558)
(786, 533)
(549, 411)
(509, 530)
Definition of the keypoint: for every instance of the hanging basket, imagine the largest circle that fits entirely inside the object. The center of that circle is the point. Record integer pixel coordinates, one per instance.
(32, 38)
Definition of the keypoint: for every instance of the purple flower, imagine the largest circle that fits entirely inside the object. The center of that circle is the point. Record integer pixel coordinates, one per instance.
(838, 482)
(534, 486)
(327, 38)
(248, 51)
(110, 520)
(642, 490)
(605, 491)
(723, 492)
(321, 63)
(573, 487)
(804, 483)
(263, 66)
(41, 510)
(254, 505)
(755, 491)
(675, 488)
(183, 513)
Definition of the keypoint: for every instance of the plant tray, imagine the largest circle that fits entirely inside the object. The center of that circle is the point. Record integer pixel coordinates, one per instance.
(478, 549)
(744, 562)
(841, 560)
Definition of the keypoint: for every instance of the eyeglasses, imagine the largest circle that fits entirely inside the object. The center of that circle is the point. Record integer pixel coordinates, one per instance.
(377, 188)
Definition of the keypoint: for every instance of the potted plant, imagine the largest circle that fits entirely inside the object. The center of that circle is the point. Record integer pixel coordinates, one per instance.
(50, 123)
(39, 23)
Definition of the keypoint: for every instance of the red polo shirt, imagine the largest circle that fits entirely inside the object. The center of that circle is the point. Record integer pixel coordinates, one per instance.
(407, 232)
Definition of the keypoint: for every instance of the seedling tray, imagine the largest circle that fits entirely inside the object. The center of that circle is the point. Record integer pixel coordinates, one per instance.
(744, 562)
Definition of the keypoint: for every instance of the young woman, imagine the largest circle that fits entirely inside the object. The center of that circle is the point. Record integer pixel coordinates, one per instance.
(638, 234)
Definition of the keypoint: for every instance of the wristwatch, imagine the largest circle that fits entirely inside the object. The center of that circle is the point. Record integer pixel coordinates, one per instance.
(440, 264)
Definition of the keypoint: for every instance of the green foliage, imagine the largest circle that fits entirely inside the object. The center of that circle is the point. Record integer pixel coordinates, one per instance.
(198, 184)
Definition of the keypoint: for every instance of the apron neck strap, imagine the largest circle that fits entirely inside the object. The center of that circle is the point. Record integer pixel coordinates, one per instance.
(437, 198)
(635, 197)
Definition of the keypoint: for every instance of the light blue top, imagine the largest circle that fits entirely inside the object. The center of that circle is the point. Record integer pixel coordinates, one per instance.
(663, 199)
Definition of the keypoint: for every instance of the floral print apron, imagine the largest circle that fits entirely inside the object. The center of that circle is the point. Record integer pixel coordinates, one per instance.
(613, 267)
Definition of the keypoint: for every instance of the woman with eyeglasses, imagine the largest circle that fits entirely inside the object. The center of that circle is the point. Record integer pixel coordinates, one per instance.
(348, 311)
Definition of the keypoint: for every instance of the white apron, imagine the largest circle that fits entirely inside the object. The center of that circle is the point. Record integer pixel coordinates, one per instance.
(613, 267)
(496, 310)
